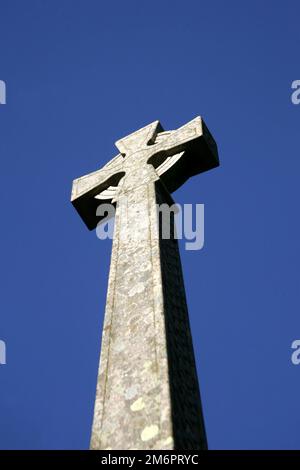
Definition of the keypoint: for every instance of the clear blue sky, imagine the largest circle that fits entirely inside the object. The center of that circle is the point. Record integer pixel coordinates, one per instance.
(80, 75)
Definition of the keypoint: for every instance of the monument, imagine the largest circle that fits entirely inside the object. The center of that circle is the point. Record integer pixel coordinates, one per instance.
(147, 392)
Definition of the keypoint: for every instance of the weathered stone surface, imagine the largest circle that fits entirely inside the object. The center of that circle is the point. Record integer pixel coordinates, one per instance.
(147, 392)
(175, 156)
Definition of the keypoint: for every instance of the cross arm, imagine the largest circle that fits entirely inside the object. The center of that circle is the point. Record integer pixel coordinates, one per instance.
(184, 152)
(89, 191)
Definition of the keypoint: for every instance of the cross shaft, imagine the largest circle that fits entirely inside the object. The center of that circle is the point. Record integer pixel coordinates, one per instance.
(147, 390)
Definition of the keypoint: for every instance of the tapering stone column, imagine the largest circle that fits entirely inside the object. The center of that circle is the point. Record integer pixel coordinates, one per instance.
(147, 392)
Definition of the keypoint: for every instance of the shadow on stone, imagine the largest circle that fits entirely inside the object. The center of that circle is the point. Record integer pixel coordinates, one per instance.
(187, 417)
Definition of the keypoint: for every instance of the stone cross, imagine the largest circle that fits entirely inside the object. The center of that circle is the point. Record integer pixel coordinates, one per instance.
(147, 391)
